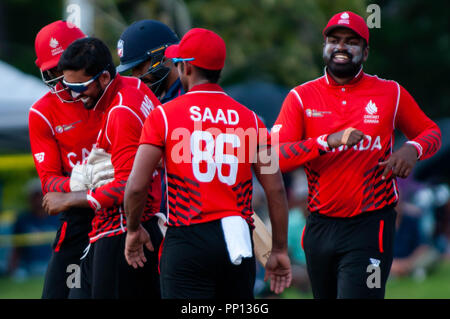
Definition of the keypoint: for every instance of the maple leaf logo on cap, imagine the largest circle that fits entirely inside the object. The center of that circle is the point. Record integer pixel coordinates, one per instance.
(53, 43)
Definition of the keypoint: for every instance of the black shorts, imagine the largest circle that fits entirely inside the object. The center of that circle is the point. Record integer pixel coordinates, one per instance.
(349, 257)
(70, 242)
(195, 265)
(105, 273)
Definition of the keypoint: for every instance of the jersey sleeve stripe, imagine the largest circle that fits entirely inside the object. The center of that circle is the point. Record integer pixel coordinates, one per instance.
(44, 118)
(117, 107)
(434, 137)
(396, 105)
(298, 97)
(59, 185)
(94, 203)
(111, 196)
(167, 192)
(256, 122)
(49, 183)
(418, 148)
(165, 122)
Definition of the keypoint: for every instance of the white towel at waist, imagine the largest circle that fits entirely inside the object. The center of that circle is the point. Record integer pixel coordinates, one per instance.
(237, 237)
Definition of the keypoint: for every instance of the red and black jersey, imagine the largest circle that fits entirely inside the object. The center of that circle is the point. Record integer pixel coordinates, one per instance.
(61, 136)
(345, 182)
(126, 103)
(209, 142)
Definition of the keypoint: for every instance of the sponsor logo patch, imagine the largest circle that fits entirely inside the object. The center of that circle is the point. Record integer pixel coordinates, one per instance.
(66, 127)
(315, 113)
(39, 157)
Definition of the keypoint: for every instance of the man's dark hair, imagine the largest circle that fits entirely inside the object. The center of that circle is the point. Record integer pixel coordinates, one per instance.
(212, 76)
(90, 54)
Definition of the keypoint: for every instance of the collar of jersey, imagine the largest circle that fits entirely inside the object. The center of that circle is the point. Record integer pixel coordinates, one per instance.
(108, 95)
(331, 82)
(207, 88)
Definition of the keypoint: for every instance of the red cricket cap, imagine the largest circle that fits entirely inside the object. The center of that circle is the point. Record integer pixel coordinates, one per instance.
(206, 47)
(52, 40)
(350, 20)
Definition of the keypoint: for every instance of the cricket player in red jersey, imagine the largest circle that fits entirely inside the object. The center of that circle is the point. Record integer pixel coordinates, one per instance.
(340, 127)
(207, 251)
(62, 133)
(90, 75)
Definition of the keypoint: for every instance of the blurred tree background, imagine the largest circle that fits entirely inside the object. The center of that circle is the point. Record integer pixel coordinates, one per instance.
(278, 41)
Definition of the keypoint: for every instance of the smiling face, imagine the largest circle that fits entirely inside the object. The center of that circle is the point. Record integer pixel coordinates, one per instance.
(94, 90)
(344, 52)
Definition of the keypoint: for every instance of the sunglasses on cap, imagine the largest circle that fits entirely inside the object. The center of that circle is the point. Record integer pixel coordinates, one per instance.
(81, 87)
(176, 60)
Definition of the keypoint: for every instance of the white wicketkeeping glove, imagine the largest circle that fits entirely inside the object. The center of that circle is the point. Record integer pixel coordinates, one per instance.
(102, 168)
(80, 179)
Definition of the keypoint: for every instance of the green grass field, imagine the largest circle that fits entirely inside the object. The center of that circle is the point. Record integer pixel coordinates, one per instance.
(28, 289)
(435, 286)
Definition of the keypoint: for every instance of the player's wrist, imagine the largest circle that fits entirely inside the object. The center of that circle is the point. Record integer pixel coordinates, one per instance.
(133, 227)
(333, 140)
(323, 142)
(279, 247)
(417, 147)
(76, 199)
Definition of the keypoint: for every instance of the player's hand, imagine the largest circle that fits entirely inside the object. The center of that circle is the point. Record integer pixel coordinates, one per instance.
(278, 270)
(134, 247)
(401, 162)
(54, 203)
(350, 136)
